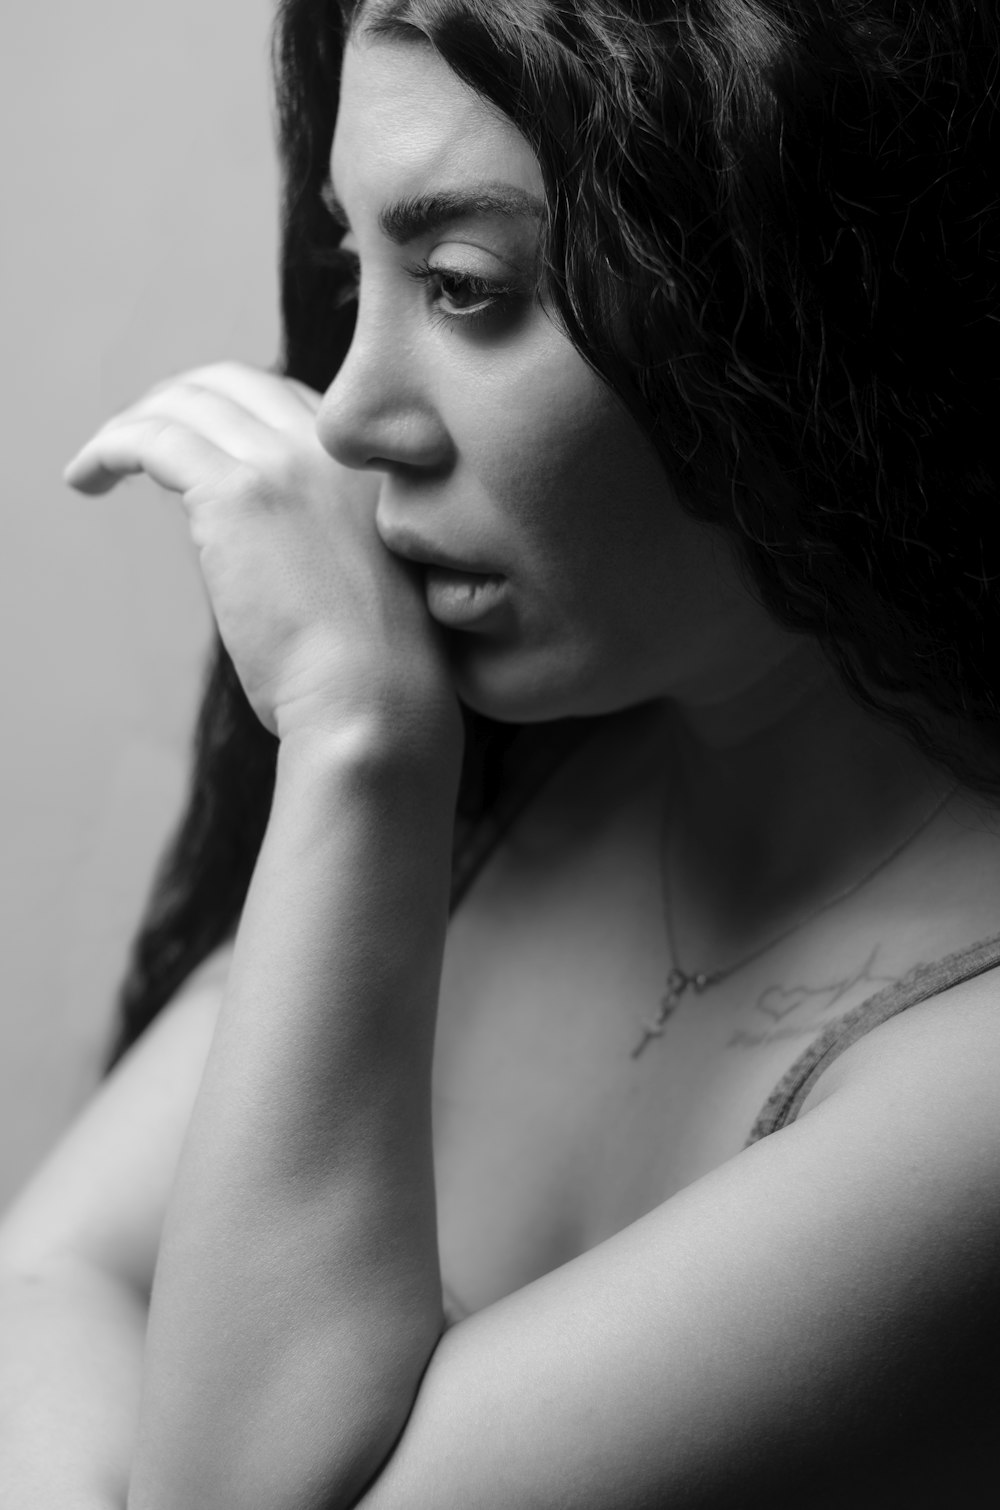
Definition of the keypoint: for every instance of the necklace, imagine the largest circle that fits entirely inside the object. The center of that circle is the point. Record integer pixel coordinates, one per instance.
(680, 980)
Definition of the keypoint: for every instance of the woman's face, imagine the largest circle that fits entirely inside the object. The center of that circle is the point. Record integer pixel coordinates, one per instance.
(567, 578)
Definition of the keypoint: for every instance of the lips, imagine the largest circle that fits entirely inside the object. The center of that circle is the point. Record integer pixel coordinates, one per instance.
(461, 592)
(463, 600)
(411, 547)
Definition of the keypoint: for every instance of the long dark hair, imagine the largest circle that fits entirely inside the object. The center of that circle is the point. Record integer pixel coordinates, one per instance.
(773, 228)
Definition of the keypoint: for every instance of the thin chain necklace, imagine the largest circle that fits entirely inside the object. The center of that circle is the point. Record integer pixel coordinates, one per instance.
(680, 980)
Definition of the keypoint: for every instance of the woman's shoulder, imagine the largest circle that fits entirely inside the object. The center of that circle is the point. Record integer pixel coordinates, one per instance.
(963, 981)
(946, 1018)
(917, 1095)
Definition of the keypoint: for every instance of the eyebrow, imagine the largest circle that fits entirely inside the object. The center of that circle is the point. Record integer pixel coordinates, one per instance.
(406, 219)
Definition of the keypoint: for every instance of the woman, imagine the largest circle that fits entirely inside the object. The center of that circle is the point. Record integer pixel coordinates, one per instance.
(660, 443)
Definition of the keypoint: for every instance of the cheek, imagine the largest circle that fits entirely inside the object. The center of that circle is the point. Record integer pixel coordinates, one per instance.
(591, 503)
(557, 456)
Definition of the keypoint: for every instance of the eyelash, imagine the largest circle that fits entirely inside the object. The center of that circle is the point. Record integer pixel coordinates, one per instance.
(489, 295)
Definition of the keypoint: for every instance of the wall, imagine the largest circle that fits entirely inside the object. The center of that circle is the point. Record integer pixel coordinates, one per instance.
(139, 236)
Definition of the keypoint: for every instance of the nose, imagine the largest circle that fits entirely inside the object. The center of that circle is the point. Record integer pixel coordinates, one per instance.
(379, 411)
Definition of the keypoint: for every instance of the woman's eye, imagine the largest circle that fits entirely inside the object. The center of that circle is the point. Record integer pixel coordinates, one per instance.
(464, 292)
(451, 294)
(456, 295)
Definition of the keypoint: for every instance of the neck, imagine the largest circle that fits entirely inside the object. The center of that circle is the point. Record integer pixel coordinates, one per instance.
(782, 795)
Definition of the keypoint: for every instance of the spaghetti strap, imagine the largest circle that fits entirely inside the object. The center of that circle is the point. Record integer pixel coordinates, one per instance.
(921, 983)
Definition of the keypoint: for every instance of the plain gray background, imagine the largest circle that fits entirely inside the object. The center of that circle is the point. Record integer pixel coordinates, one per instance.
(139, 232)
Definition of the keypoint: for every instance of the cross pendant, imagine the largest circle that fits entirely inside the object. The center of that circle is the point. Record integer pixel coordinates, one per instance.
(678, 981)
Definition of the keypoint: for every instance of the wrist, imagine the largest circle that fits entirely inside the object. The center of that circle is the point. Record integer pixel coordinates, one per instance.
(405, 730)
(380, 752)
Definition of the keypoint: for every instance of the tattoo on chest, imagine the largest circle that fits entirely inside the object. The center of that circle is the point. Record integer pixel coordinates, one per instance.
(797, 1011)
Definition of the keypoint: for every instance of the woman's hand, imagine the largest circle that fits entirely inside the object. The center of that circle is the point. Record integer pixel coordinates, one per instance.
(321, 621)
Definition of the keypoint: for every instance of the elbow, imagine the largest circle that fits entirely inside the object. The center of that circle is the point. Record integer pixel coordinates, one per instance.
(313, 1424)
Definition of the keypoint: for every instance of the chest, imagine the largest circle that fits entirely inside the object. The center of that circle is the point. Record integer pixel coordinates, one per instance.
(550, 1134)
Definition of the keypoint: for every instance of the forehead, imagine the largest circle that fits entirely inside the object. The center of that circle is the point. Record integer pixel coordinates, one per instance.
(407, 124)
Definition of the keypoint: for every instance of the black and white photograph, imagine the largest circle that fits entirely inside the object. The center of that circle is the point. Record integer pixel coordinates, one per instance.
(501, 762)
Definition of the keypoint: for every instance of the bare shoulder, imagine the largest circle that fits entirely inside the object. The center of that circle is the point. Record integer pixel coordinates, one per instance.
(913, 1104)
(901, 1137)
(101, 1195)
(927, 1064)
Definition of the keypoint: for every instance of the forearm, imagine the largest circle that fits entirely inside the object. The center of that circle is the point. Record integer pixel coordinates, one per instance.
(297, 1297)
(70, 1369)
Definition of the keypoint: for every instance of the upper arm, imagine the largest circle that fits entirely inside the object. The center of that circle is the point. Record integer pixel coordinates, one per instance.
(819, 1311)
(101, 1196)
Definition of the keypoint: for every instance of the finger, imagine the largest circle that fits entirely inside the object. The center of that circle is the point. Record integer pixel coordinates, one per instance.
(222, 421)
(273, 399)
(171, 454)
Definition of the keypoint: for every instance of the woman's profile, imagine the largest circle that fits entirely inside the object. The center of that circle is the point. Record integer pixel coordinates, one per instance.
(556, 1066)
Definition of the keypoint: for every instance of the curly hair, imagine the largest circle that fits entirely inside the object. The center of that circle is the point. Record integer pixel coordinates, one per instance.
(773, 227)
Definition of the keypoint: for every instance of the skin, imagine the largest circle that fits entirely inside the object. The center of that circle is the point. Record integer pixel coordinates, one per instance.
(496, 442)
(660, 1317)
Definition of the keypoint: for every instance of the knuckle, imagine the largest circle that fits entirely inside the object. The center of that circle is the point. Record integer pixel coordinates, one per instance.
(244, 478)
(162, 435)
(231, 482)
(277, 466)
(224, 490)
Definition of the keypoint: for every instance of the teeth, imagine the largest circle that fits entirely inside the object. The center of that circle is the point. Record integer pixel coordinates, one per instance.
(454, 594)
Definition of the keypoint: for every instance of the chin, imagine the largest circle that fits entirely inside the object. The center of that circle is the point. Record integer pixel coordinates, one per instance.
(513, 689)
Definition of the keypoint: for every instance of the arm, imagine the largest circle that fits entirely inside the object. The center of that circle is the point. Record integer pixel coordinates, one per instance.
(69, 1384)
(815, 1322)
(298, 1282)
(777, 1311)
(76, 1262)
(308, 1157)
(790, 1313)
